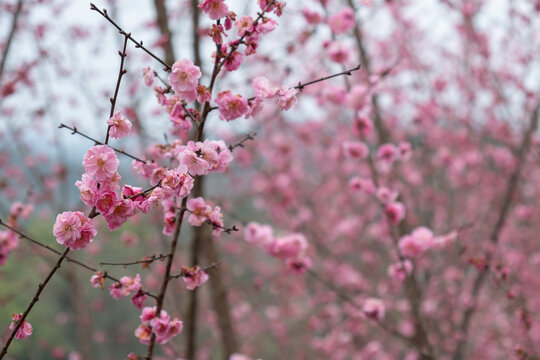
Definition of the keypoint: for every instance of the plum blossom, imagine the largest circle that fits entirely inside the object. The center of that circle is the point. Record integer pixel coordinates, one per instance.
(74, 230)
(355, 149)
(98, 280)
(339, 52)
(215, 9)
(287, 98)
(24, 330)
(244, 25)
(373, 308)
(119, 126)
(148, 75)
(289, 246)
(101, 162)
(417, 242)
(263, 87)
(258, 234)
(194, 276)
(395, 212)
(163, 327)
(184, 76)
(400, 270)
(342, 21)
(199, 211)
(88, 189)
(122, 211)
(177, 182)
(234, 61)
(231, 106)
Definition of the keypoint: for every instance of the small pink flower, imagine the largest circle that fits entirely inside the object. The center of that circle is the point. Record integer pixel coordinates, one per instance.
(261, 235)
(234, 61)
(195, 164)
(122, 211)
(388, 153)
(184, 76)
(289, 246)
(24, 330)
(88, 189)
(342, 21)
(244, 24)
(385, 195)
(98, 280)
(363, 125)
(106, 202)
(199, 211)
(144, 333)
(119, 126)
(355, 149)
(148, 75)
(231, 106)
(287, 98)
(19, 209)
(414, 245)
(194, 277)
(395, 212)
(74, 230)
(339, 52)
(373, 308)
(263, 88)
(400, 270)
(177, 181)
(216, 217)
(101, 162)
(138, 299)
(215, 9)
(362, 185)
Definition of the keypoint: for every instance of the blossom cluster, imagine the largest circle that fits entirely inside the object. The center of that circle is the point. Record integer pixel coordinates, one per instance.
(201, 212)
(194, 277)
(162, 326)
(291, 248)
(24, 330)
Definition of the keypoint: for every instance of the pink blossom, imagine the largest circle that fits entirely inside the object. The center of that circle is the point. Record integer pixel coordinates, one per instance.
(400, 270)
(289, 246)
(312, 17)
(265, 26)
(363, 125)
(74, 230)
(195, 164)
(138, 299)
(101, 162)
(287, 98)
(199, 211)
(194, 277)
(364, 185)
(385, 195)
(98, 280)
(122, 211)
(148, 75)
(19, 209)
(231, 106)
(417, 243)
(215, 9)
(355, 149)
(106, 202)
(24, 330)
(388, 153)
(373, 308)
(339, 52)
(177, 181)
(395, 212)
(119, 126)
(88, 189)
(234, 61)
(203, 94)
(243, 25)
(144, 333)
(299, 265)
(263, 88)
(261, 235)
(184, 76)
(342, 21)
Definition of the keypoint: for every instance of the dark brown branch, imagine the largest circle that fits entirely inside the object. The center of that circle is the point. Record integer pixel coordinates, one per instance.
(166, 276)
(205, 269)
(137, 43)
(511, 188)
(240, 143)
(35, 299)
(74, 130)
(12, 31)
(68, 259)
(121, 73)
(163, 23)
(144, 260)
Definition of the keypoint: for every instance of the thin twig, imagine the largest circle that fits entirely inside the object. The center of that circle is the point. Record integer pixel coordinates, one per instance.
(137, 43)
(144, 260)
(240, 143)
(74, 130)
(209, 267)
